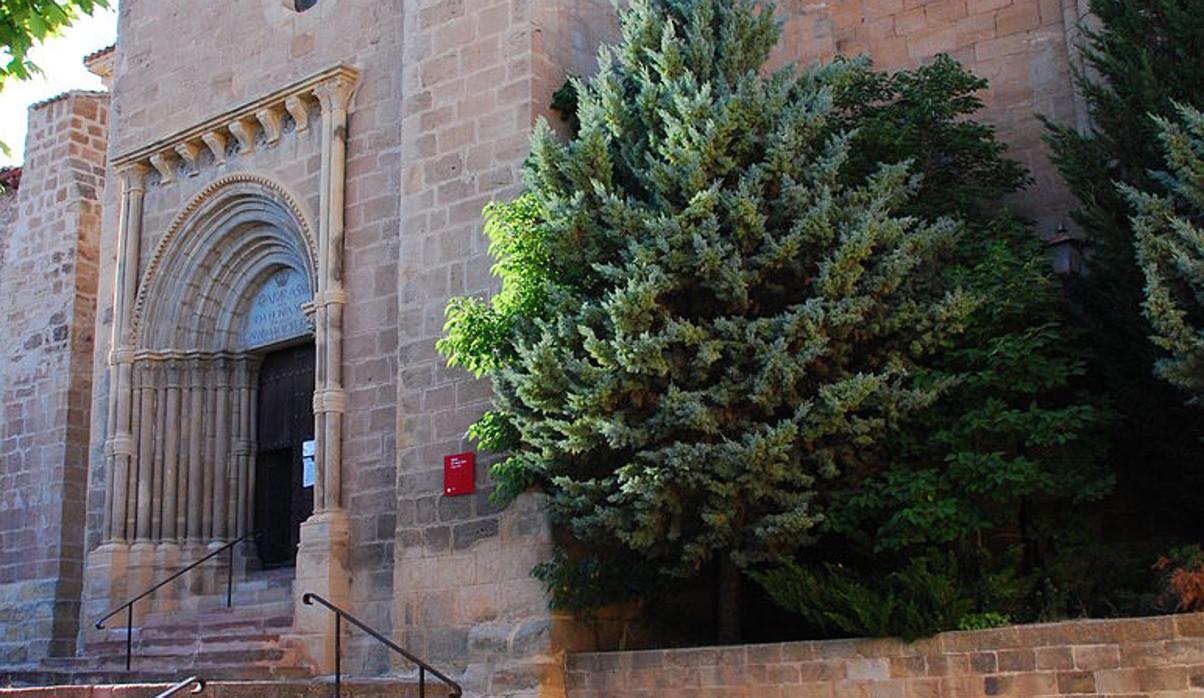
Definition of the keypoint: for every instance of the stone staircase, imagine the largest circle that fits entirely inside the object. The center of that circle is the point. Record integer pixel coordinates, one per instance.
(242, 643)
(240, 652)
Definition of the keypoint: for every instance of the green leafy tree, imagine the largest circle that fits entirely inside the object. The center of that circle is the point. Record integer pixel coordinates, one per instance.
(702, 316)
(906, 546)
(1170, 250)
(25, 23)
(1143, 56)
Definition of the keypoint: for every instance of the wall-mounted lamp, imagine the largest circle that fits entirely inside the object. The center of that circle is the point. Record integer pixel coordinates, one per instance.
(1067, 249)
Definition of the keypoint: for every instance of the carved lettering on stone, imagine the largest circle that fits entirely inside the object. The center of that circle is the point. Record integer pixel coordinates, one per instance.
(276, 314)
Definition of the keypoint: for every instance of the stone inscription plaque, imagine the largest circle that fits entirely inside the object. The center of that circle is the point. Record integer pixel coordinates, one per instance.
(276, 313)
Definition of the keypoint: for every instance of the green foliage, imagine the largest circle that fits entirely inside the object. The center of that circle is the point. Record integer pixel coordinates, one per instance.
(983, 621)
(1170, 251)
(564, 102)
(724, 316)
(1143, 56)
(1013, 438)
(477, 332)
(25, 23)
(584, 582)
(918, 600)
(925, 116)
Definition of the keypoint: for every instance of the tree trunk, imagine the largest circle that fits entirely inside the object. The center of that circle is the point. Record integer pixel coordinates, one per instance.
(728, 601)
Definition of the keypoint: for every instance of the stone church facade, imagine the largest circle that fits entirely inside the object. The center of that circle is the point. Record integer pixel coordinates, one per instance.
(222, 282)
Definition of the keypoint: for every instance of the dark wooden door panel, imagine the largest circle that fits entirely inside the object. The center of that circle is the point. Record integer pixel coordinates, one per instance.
(286, 422)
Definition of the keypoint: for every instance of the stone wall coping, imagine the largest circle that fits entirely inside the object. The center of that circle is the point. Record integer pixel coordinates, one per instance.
(1088, 631)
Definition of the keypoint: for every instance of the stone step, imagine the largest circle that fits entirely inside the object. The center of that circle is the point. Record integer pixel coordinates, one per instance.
(272, 608)
(244, 664)
(322, 688)
(135, 682)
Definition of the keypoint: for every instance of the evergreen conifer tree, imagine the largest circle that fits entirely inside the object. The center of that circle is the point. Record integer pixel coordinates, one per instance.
(1142, 56)
(1170, 250)
(909, 547)
(701, 315)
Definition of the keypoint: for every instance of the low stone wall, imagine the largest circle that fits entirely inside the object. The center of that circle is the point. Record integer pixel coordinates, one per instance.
(1130, 658)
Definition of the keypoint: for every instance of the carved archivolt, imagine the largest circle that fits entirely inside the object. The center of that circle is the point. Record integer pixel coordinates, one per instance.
(241, 200)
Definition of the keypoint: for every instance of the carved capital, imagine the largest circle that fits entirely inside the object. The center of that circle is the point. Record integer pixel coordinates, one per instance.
(298, 108)
(216, 141)
(270, 119)
(244, 131)
(133, 177)
(174, 372)
(121, 355)
(334, 93)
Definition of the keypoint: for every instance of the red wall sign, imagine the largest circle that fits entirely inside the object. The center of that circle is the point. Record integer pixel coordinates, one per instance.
(458, 475)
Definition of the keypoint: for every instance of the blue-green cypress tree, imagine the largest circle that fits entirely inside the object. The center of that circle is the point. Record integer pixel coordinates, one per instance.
(701, 317)
(1170, 250)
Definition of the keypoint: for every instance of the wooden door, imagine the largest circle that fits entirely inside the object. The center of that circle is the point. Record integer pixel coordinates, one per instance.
(283, 498)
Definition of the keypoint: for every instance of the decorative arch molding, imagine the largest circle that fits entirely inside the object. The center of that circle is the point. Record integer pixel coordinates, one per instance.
(257, 222)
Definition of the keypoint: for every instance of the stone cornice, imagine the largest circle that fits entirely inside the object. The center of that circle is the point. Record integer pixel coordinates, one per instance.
(329, 89)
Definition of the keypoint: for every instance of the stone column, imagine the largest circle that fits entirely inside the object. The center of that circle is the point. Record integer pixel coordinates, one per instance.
(159, 424)
(171, 450)
(195, 547)
(146, 452)
(168, 552)
(323, 555)
(242, 448)
(209, 454)
(183, 383)
(196, 443)
(142, 552)
(221, 452)
(253, 446)
(107, 564)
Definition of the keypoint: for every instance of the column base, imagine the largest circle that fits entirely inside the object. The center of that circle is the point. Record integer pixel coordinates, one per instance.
(104, 582)
(192, 584)
(167, 561)
(323, 568)
(141, 575)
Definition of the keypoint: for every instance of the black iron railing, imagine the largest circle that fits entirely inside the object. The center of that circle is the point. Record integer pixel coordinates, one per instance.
(128, 606)
(310, 598)
(193, 683)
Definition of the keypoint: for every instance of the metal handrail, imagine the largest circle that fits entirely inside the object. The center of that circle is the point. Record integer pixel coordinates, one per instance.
(197, 686)
(128, 606)
(339, 614)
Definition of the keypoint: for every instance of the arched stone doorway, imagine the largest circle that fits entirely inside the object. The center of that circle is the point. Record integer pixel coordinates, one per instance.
(229, 283)
(178, 322)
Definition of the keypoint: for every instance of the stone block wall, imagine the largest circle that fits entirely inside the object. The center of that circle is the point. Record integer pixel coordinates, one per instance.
(8, 220)
(48, 285)
(477, 73)
(1136, 658)
(1023, 47)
